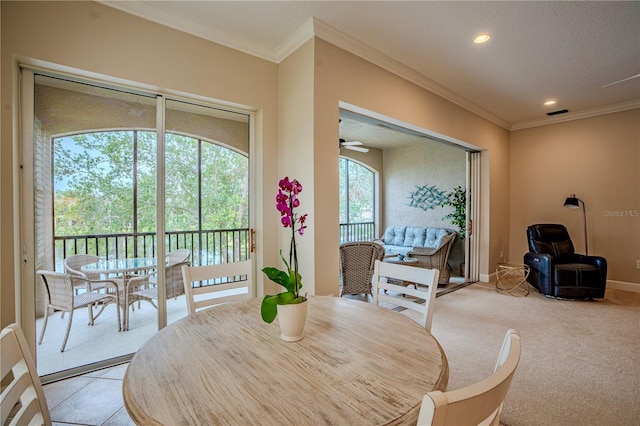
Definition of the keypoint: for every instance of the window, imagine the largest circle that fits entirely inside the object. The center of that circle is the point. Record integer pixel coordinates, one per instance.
(357, 201)
(104, 188)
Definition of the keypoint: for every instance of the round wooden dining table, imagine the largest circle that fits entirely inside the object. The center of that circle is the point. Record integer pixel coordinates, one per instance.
(358, 364)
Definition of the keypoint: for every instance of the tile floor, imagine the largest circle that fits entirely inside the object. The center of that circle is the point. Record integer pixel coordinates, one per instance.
(92, 399)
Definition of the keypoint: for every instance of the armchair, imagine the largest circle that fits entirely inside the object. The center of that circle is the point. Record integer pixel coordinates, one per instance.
(557, 271)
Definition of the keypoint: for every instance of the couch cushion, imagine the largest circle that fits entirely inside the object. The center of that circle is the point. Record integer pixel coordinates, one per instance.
(434, 237)
(414, 237)
(394, 235)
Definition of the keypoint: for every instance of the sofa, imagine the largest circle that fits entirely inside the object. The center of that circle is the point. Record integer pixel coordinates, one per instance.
(402, 239)
(429, 246)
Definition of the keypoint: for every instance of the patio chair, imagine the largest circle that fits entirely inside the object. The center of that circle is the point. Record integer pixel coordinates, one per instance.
(145, 287)
(216, 284)
(356, 266)
(85, 281)
(435, 258)
(23, 400)
(61, 296)
(421, 300)
(477, 404)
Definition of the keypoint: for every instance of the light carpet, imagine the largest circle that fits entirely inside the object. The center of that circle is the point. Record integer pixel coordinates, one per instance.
(580, 360)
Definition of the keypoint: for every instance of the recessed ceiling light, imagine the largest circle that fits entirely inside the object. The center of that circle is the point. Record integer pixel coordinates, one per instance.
(550, 102)
(482, 38)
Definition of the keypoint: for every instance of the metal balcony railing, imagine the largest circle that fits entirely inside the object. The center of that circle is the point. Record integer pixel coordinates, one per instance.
(357, 232)
(207, 247)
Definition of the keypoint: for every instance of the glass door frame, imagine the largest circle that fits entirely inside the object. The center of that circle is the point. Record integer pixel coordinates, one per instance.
(24, 200)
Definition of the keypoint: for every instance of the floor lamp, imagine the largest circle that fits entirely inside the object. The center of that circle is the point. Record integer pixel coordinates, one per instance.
(573, 203)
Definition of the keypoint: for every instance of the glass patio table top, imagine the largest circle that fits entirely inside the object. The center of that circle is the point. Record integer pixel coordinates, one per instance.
(116, 266)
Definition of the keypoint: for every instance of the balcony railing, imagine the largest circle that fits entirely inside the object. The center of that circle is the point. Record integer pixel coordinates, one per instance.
(207, 247)
(357, 232)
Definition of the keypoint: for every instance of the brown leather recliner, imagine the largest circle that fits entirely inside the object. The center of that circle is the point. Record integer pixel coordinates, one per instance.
(557, 271)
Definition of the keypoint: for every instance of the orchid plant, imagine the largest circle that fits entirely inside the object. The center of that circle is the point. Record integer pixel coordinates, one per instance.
(286, 203)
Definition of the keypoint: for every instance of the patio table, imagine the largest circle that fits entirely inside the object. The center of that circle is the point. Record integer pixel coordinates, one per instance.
(121, 268)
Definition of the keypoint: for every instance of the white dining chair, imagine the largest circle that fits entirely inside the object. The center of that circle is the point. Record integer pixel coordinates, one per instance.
(215, 284)
(23, 398)
(422, 297)
(480, 403)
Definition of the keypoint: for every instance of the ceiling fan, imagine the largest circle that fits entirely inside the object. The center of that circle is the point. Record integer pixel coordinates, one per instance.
(353, 145)
(620, 81)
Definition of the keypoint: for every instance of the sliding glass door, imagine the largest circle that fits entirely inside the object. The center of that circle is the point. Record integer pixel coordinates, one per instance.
(109, 199)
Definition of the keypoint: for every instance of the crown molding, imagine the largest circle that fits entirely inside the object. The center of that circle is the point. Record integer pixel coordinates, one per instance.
(162, 17)
(296, 40)
(578, 115)
(356, 47)
(313, 27)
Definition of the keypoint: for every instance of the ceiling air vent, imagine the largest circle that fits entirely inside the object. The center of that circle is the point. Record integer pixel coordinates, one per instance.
(560, 111)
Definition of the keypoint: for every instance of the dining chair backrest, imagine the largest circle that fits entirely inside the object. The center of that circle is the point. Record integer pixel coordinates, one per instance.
(226, 282)
(356, 266)
(477, 404)
(22, 394)
(385, 277)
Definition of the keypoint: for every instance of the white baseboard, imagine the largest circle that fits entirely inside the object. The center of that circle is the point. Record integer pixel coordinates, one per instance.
(625, 286)
(616, 285)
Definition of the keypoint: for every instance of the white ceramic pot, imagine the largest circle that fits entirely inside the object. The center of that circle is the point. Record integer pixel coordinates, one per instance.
(292, 319)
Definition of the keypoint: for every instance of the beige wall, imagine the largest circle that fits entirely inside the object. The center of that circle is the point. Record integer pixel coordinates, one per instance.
(596, 158)
(410, 167)
(97, 39)
(340, 76)
(296, 158)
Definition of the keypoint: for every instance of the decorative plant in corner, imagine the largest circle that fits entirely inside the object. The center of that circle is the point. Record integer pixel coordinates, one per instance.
(458, 217)
(286, 202)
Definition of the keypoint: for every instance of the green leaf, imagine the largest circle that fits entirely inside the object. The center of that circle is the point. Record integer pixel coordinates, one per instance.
(277, 276)
(269, 308)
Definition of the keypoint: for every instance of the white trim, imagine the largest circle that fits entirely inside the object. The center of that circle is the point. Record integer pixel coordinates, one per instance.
(403, 124)
(624, 286)
(24, 217)
(314, 27)
(155, 14)
(611, 284)
(295, 40)
(570, 116)
(356, 47)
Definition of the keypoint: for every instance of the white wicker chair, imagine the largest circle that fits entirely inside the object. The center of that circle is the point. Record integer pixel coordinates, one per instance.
(145, 287)
(87, 281)
(61, 296)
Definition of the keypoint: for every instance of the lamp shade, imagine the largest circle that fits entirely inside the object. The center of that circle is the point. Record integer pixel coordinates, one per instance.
(572, 202)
